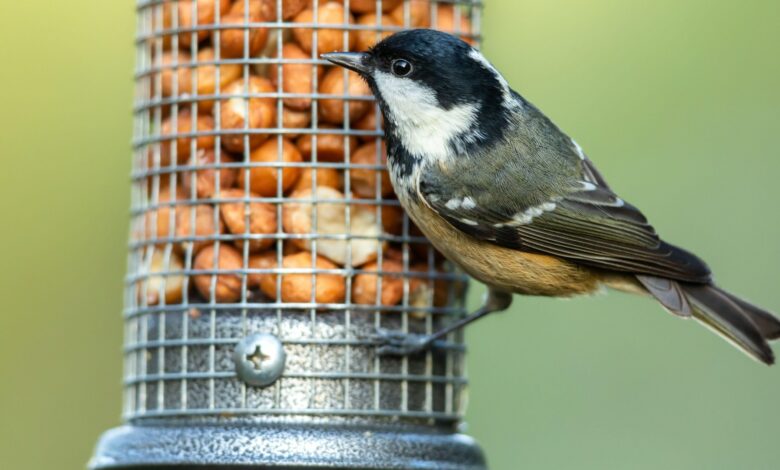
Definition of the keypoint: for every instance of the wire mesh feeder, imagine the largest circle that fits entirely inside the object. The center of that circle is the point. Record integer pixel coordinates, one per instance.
(267, 247)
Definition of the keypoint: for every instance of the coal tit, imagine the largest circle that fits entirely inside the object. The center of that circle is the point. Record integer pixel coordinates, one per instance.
(515, 202)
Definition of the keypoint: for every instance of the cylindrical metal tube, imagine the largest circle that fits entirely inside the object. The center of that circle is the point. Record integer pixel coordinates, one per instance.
(267, 248)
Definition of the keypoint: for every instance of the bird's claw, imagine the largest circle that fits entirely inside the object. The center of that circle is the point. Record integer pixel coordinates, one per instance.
(395, 343)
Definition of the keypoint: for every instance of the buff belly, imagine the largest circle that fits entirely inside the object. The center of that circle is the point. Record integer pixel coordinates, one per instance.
(506, 269)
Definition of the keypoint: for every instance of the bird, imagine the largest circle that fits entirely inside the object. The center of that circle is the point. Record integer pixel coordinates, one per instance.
(516, 203)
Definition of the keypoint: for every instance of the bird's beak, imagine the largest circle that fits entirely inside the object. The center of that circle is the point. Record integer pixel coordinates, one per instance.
(360, 62)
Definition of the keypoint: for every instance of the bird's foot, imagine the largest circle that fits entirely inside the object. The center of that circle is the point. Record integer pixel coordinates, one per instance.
(396, 343)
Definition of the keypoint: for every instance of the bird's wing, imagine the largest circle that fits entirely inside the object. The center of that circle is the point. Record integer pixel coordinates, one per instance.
(580, 219)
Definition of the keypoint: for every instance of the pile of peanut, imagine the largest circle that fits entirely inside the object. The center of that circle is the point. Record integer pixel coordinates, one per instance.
(229, 184)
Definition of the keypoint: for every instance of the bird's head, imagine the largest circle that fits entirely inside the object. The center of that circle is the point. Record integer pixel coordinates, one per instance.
(438, 94)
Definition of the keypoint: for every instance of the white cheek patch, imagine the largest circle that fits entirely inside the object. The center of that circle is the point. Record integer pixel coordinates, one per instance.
(424, 128)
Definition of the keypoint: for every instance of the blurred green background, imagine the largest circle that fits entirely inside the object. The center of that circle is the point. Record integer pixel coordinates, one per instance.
(678, 103)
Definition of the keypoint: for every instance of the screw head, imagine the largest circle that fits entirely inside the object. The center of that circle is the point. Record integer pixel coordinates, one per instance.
(259, 359)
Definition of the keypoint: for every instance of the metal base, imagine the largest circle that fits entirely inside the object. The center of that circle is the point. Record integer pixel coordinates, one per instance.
(281, 445)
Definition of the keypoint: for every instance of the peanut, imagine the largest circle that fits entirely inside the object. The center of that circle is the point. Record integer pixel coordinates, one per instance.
(263, 180)
(262, 219)
(239, 111)
(329, 288)
(332, 109)
(227, 286)
(328, 40)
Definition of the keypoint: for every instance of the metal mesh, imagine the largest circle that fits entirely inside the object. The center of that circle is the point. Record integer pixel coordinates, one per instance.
(227, 241)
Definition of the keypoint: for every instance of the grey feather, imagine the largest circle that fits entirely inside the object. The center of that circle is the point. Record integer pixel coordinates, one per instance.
(766, 322)
(714, 308)
(529, 195)
(668, 293)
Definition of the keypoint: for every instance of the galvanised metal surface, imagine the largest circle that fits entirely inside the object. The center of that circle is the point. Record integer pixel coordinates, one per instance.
(288, 445)
(224, 369)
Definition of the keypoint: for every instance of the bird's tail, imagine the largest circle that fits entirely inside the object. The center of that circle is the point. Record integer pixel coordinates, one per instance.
(746, 326)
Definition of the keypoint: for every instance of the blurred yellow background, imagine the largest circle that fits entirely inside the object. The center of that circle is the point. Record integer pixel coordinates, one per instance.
(677, 102)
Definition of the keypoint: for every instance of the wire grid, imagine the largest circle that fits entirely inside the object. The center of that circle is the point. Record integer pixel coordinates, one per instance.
(184, 317)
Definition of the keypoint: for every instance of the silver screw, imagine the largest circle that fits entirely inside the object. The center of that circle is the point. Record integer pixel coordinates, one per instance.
(259, 359)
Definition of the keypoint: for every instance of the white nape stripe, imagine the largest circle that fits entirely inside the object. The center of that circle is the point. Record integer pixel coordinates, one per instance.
(528, 215)
(509, 101)
(424, 128)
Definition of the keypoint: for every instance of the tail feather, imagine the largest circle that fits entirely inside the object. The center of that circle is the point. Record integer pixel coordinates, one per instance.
(743, 324)
(669, 292)
(766, 322)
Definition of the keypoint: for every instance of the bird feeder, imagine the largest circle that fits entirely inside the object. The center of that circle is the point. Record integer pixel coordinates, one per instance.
(267, 248)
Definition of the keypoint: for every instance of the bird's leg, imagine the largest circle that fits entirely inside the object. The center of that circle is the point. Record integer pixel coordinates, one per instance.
(394, 343)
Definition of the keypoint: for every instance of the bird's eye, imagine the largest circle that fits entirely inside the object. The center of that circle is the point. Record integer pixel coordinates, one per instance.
(401, 67)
